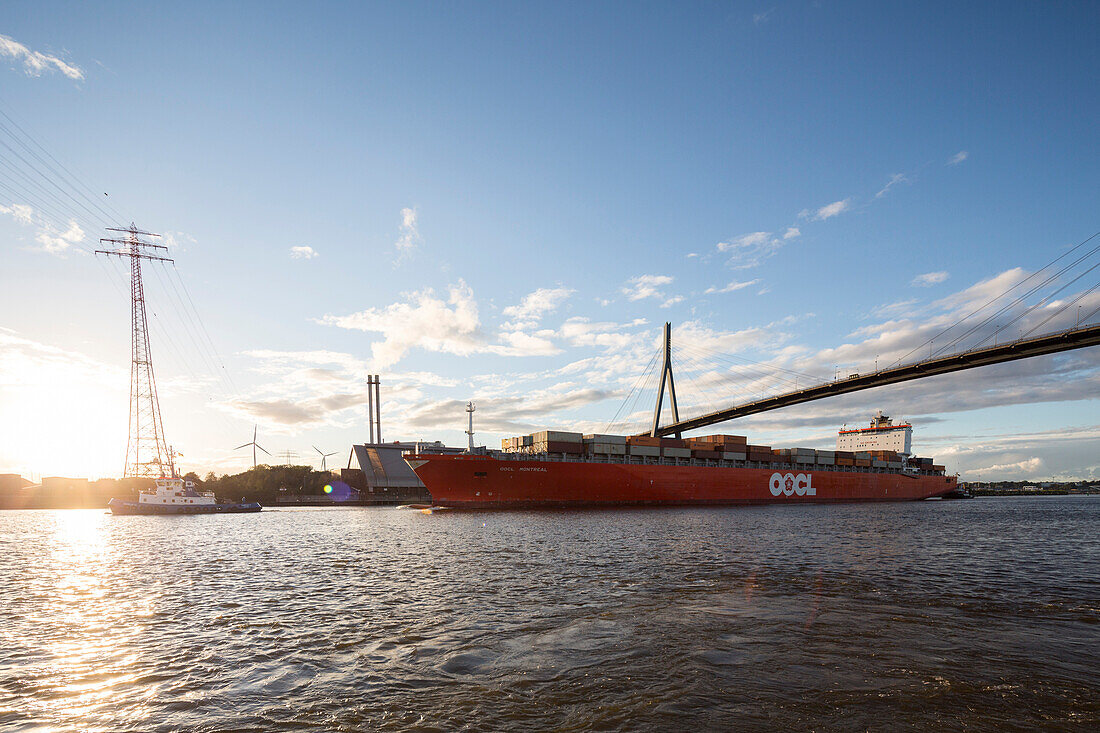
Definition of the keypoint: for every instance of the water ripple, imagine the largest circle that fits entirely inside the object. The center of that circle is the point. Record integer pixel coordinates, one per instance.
(963, 614)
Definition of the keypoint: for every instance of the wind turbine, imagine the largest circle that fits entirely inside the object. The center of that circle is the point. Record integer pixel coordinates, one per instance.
(324, 456)
(254, 445)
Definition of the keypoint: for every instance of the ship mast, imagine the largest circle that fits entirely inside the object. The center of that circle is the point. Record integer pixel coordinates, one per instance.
(470, 430)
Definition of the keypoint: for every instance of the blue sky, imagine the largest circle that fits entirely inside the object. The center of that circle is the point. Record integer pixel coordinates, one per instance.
(504, 202)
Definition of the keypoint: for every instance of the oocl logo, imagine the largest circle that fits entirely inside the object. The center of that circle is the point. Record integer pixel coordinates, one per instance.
(789, 484)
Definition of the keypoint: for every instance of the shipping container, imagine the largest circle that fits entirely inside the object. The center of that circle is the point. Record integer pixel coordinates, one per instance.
(734, 456)
(652, 451)
(673, 452)
(557, 436)
(610, 439)
(708, 455)
(609, 449)
(557, 446)
(733, 439)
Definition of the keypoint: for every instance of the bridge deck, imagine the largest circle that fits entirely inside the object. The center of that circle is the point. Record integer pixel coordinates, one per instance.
(1074, 338)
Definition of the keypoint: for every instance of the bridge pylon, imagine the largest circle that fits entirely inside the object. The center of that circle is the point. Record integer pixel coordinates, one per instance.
(666, 373)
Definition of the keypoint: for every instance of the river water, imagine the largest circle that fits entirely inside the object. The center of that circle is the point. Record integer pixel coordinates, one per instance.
(982, 614)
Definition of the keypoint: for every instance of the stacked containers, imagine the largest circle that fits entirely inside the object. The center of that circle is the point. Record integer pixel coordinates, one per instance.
(803, 455)
(643, 445)
(557, 441)
(675, 448)
(705, 449)
(845, 458)
(762, 453)
(730, 447)
(604, 445)
(825, 457)
(715, 447)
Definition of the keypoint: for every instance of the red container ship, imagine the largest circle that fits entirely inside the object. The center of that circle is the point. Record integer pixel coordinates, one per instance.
(562, 469)
(570, 470)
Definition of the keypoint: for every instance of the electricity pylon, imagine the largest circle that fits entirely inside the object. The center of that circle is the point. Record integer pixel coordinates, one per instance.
(146, 450)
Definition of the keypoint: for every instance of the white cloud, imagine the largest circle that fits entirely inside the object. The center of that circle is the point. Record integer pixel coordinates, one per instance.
(1027, 466)
(646, 286)
(579, 331)
(702, 339)
(20, 212)
(983, 292)
(958, 157)
(52, 240)
(732, 287)
(534, 306)
(894, 180)
(792, 232)
(56, 242)
(763, 16)
(508, 413)
(525, 344)
(303, 252)
(34, 62)
(672, 301)
(410, 234)
(830, 210)
(755, 239)
(929, 279)
(176, 240)
(425, 321)
(689, 255)
(749, 250)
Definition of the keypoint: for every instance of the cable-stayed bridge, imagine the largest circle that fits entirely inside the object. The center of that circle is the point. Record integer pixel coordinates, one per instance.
(1074, 338)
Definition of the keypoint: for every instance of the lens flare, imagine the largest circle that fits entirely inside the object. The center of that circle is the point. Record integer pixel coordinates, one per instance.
(328, 488)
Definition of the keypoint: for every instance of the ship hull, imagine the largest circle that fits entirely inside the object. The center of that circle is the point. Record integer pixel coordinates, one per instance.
(483, 482)
(120, 506)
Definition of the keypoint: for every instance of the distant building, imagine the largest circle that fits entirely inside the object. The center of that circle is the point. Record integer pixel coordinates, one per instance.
(14, 491)
(383, 473)
(12, 482)
(882, 434)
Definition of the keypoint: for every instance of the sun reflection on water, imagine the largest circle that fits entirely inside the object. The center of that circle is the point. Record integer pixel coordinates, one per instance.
(77, 647)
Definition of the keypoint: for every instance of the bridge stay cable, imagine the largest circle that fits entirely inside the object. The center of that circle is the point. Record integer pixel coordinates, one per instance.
(1073, 338)
(993, 300)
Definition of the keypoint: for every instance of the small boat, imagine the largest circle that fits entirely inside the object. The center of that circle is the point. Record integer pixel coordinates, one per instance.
(176, 496)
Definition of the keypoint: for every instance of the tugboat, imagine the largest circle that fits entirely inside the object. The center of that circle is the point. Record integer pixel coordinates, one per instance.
(175, 496)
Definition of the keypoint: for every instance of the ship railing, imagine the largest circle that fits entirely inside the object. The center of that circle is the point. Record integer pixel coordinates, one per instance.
(702, 462)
